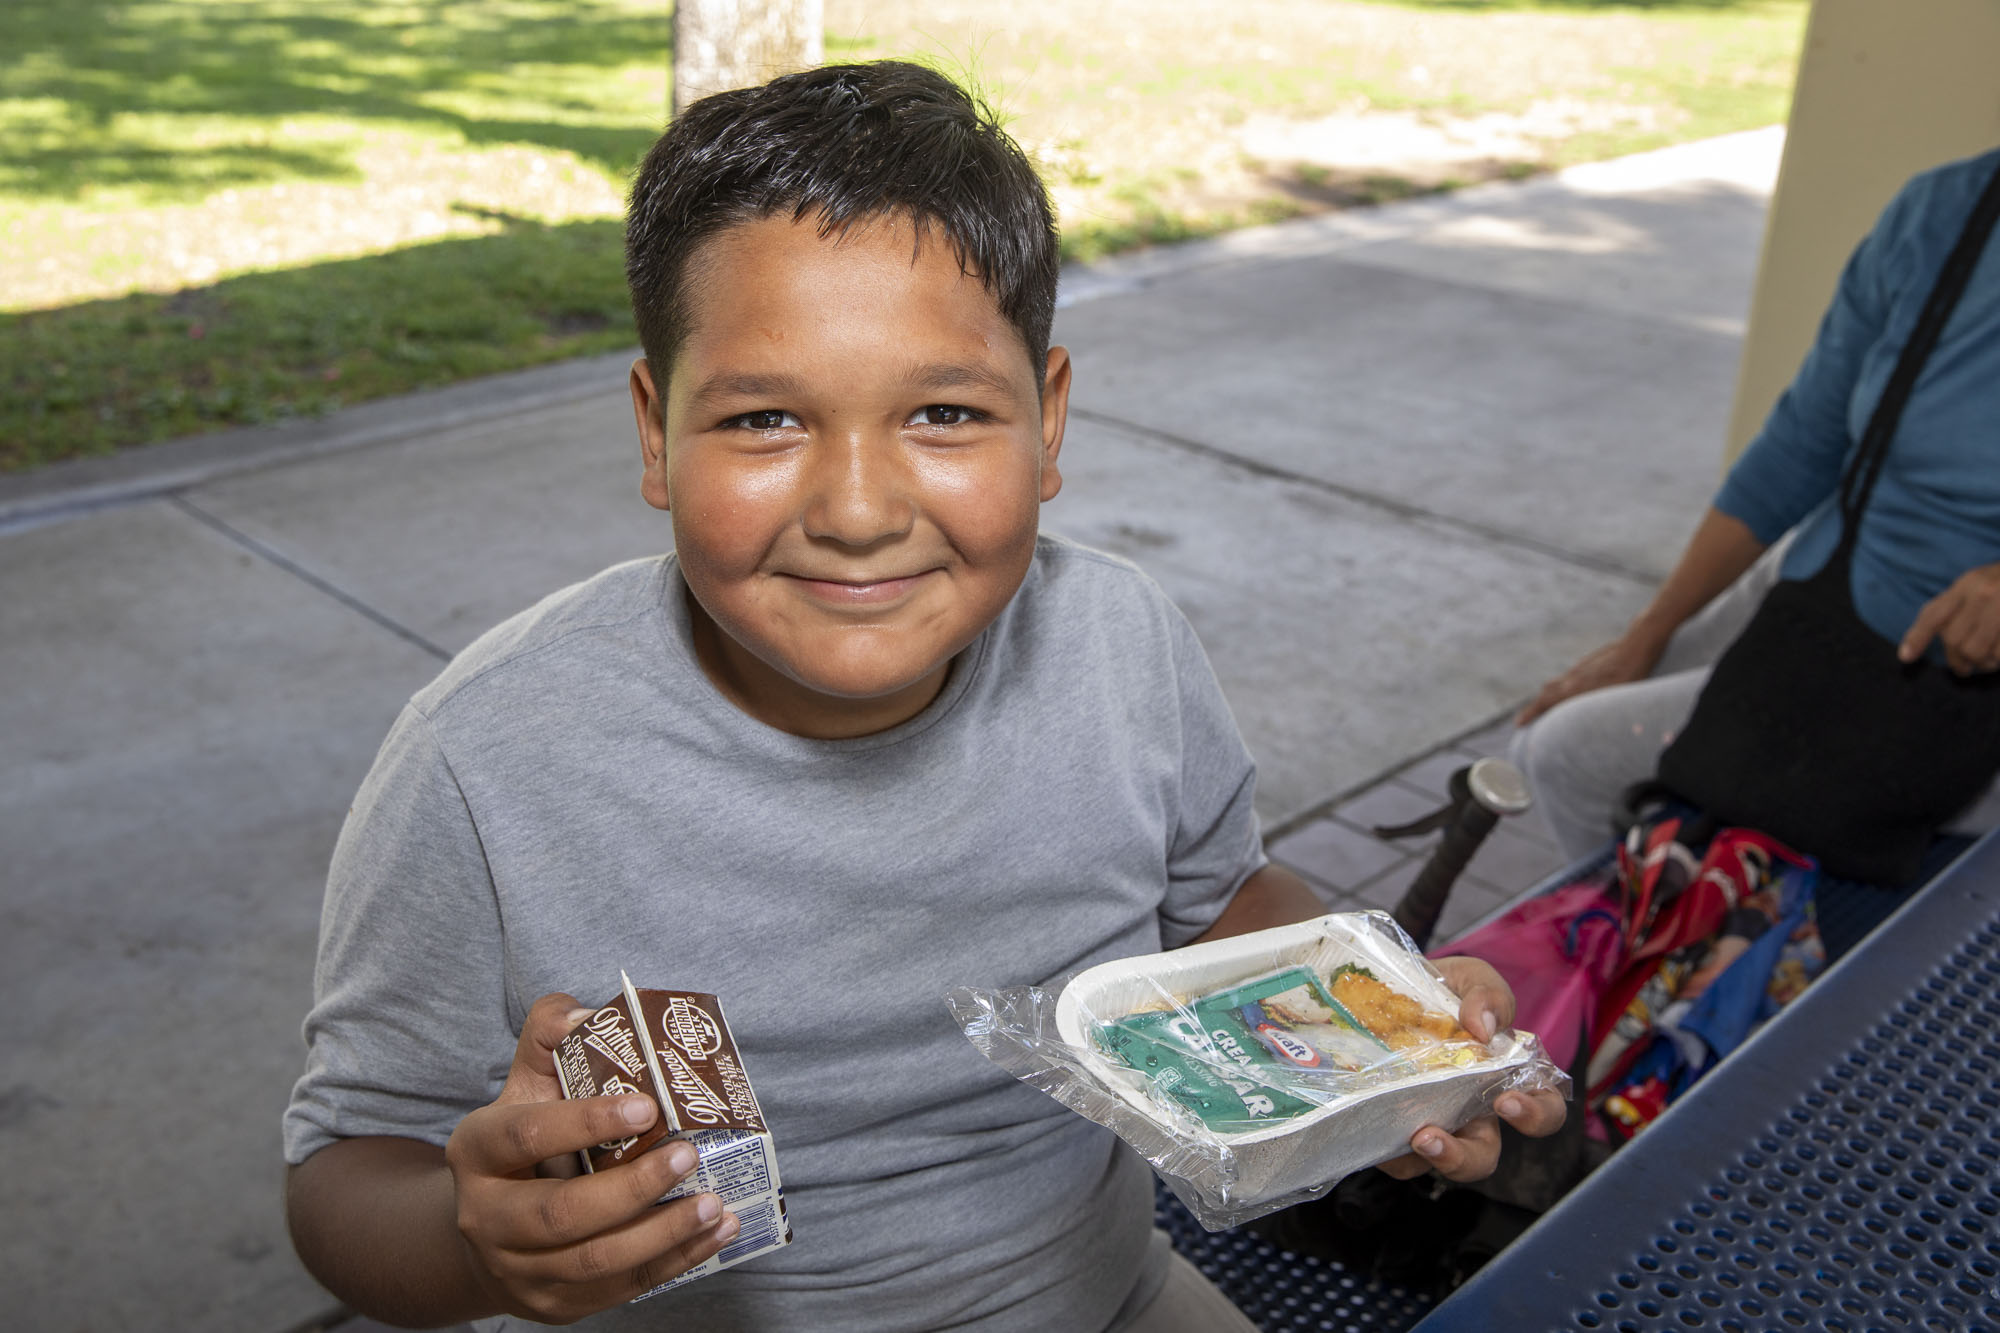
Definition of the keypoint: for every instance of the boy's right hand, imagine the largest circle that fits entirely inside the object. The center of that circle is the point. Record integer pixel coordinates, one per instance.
(557, 1250)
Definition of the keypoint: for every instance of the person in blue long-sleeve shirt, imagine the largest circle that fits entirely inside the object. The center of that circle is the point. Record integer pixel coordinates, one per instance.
(1926, 567)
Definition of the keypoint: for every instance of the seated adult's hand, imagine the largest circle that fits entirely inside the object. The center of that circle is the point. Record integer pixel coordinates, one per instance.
(557, 1250)
(1625, 659)
(1965, 620)
(1486, 1006)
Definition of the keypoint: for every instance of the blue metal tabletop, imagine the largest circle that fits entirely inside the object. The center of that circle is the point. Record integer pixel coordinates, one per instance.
(1840, 1171)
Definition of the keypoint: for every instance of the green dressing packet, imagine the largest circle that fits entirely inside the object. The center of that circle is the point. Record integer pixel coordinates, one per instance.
(1262, 1051)
(1221, 1097)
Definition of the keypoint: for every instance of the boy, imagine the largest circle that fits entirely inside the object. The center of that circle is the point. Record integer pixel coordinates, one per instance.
(863, 736)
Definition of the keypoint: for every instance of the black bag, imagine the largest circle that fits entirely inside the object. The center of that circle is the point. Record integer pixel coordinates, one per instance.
(1810, 729)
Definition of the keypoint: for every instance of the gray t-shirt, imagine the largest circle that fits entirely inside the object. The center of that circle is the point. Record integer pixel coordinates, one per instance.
(572, 796)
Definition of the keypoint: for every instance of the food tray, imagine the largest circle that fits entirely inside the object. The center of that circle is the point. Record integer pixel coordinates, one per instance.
(1317, 1147)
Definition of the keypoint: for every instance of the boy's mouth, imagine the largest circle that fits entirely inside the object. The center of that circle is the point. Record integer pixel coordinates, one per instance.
(859, 592)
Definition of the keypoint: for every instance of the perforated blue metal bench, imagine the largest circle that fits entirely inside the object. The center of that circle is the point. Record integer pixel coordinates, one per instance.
(1841, 1171)
(1280, 1291)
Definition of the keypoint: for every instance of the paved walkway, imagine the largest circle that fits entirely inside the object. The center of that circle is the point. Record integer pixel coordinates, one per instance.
(1398, 466)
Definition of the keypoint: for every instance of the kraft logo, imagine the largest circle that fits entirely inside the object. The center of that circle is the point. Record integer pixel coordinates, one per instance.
(1290, 1047)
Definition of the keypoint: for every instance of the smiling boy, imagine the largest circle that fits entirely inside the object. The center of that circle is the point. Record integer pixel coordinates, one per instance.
(864, 736)
(843, 548)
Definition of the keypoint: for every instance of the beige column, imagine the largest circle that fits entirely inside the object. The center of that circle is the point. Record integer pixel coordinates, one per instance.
(1885, 89)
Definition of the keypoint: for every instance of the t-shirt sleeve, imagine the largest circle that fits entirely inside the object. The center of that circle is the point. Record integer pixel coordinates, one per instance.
(1794, 463)
(409, 1028)
(1217, 843)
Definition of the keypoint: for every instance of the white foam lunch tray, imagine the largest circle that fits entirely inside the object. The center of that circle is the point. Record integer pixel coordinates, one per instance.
(1322, 1145)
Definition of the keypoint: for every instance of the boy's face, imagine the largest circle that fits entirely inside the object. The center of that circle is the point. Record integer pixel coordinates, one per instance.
(854, 451)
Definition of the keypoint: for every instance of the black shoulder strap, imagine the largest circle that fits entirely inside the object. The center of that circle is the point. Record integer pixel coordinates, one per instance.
(1858, 482)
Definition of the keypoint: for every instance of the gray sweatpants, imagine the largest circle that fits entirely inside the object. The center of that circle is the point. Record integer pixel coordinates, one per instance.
(1581, 755)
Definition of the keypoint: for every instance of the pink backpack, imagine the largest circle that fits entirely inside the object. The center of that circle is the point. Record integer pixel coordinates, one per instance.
(1559, 953)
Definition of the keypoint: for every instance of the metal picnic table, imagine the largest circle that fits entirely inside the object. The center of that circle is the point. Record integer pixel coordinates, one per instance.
(1839, 1171)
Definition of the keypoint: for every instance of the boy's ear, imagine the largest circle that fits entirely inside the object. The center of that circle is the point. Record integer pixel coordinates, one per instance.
(1055, 415)
(649, 409)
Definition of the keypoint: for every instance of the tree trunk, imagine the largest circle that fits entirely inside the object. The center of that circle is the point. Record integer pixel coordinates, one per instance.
(724, 44)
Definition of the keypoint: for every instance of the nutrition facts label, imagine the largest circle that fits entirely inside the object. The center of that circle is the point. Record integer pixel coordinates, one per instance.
(738, 1166)
(736, 1170)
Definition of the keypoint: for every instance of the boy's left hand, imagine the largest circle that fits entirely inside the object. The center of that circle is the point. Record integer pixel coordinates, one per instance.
(1486, 1006)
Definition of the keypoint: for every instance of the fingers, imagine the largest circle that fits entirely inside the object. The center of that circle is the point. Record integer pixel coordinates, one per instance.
(576, 1251)
(1579, 679)
(564, 1283)
(544, 1214)
(1486, 1004)
(1974, 637)
(1470, 1154)
(1964, 619)
(652, 1249)
(1407, 1167)
(718, 1228)
(1536, 1114)
(1925, 627)
(510, 1138)
(559, 1249)
(1965, 625)
(1617, 663)
(1473, 1152)
(1551, 694)
(532, 1077)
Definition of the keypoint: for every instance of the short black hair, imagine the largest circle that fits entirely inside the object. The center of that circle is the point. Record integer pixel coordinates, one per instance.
(845, 143)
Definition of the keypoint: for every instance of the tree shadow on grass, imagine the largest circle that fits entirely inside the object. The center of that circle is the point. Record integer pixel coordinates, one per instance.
(101, 375)
(91, 72)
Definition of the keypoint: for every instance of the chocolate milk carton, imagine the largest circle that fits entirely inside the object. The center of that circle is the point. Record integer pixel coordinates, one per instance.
(675, 1047)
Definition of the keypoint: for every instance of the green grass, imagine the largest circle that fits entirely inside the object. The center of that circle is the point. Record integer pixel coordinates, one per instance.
(1704, 66)
(159, 151)
(167, 100)
(132, 128)
(299, 342)
(1151, 223)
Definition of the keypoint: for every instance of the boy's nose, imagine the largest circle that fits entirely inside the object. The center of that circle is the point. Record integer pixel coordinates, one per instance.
(859, 492)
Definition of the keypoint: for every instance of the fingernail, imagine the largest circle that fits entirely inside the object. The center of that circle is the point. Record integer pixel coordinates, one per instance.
(708, 1208)
(728, 1227)
(575, 1016)
(1430, 1145)
(680, 1159)
(1509, 1106)
(1491, 1024)
(636, 1110)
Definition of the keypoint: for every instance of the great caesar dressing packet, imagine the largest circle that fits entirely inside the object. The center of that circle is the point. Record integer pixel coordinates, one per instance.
(675, 1047)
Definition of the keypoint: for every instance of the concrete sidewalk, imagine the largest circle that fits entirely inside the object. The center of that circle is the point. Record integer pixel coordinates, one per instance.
(1398, 466)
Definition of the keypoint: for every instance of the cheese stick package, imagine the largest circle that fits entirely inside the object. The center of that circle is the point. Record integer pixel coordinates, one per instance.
(1256, 1072)
(675, 1047)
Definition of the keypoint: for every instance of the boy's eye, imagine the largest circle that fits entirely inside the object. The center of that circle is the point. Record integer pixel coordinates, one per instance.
(943, 414)
(766, 420)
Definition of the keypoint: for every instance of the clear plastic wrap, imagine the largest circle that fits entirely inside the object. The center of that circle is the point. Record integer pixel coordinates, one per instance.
(1256, 1072)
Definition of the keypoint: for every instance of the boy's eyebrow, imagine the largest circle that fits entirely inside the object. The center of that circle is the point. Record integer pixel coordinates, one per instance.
(936, 376)
(959, 375)
(727, 386)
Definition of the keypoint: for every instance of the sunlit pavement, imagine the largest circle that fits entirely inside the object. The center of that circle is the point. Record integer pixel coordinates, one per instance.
(1398, 466)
